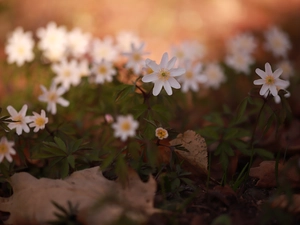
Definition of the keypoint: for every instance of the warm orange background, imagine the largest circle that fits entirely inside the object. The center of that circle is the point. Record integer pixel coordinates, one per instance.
(160, 23)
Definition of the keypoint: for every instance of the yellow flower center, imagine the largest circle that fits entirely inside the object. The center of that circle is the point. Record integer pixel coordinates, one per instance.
(102, 70)
(277, 43)
(136, 57)
(270, 80)
(52, 97)
(189, 75)
(18, 119)
(21, 50)
(67, 73)
(40, 121)
(125, 126)
(164, 75)
(3, 148)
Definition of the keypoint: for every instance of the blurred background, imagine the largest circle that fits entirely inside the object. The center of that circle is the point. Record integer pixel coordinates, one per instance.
(160, 23)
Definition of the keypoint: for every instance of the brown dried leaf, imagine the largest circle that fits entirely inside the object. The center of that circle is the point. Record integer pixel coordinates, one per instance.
(282, 202)
(196, 145)
(31, 202)
(265, 172)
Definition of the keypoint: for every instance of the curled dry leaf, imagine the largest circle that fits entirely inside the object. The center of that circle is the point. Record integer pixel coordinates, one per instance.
(197, 151)
(31, 202)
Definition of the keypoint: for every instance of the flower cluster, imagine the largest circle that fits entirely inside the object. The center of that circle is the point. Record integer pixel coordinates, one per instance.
(76, 58)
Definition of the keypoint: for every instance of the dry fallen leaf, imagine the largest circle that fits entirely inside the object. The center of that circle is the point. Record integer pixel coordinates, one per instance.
(31, 202)
(197, 150)
(282, 202)
(265, 172)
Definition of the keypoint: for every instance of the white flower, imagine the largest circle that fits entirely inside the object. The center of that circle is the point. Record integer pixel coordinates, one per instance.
(53, 97)
(190, 51)
(19, 47)
(192, 77)
(243, 42)
(78, 42)
(277, 42)
(135, 58)
(53, 41)
(38, 121)
(270, 80)
(67, 73)
(104, 71)
(20, 118)
(6, 149)
(287, 69)
(163, 75)
(83, 68)
(161, 133)
(125, 127)
(125, 39)
(103, 50)
(239, 61)
(214, 74)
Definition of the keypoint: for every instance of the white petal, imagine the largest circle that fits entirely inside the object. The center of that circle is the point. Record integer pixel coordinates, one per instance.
(259, 82)
(260, 73)
(152, 64)
(174, 83)
(171, 63)
(157, 88)
(168, 88)
(263, 90)
(150, 77)
(273, 90)
(277, 72)
(24, 110)
(175, 72)
(63, 102)
(11, 111)
(268, 68)
(164, 60)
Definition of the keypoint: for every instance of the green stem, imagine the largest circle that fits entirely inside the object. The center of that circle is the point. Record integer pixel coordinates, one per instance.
(253, 133)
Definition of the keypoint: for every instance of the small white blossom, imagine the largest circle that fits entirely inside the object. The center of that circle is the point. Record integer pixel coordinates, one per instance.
(125, 127)
(6, 149)
(38, 121)
(240, 61)
(53, 41)
(270, 80)
(78, 42)
(188, 50)
(103, 71)
(103, 50)
(125, 39)
(83, 68)
(287, 69)
(19, 47)
(192, 77)
(53, 97)
(20, 119)
(135, 58)
(241, 43)
(214, 74)
(163, 75)
(277, 42)
(161, 133)
(67, 73)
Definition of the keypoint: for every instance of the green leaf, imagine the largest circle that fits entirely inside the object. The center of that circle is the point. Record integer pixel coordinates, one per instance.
(241, 110)
(127, 89)
(231, 133)
(71, 161)
(64, 170)
(263, 153)
(209, 132)
(61, 144)
(175, 183)
(215, 118)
